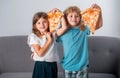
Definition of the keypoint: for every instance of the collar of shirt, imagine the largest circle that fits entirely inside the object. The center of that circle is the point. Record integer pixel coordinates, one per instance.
(74, 27)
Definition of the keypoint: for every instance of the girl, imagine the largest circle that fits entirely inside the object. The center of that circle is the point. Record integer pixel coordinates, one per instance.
(75, 58)
(42, 43)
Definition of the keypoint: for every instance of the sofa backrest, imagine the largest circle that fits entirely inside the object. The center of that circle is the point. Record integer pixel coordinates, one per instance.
(104, 54)
(15, 54)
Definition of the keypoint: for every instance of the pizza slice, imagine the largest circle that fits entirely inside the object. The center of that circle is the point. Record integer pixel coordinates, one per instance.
(90, 17)
(54, 19)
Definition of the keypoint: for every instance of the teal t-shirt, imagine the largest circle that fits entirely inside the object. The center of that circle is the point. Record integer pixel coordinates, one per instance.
(75, 48)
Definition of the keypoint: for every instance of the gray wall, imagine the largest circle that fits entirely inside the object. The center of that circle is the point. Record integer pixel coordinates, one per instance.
(16, 15)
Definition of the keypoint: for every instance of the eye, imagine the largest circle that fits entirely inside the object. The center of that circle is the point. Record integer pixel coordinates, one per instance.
(44, 21)
(71, 16)
(77, 16)
(38, 22)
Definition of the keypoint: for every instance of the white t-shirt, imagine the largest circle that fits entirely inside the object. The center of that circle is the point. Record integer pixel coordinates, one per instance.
(51, 55)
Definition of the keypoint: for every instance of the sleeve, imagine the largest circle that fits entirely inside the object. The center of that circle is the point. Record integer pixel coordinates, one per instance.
(54, 35)
(87, 30)
(58, 39)
(32, 39)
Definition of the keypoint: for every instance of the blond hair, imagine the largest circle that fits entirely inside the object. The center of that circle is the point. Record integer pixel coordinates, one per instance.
(77, 10)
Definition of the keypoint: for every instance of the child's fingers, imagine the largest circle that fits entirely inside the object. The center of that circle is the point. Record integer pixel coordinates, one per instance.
(48, 35)
(32, 56)
(55, 10)
(95, 6)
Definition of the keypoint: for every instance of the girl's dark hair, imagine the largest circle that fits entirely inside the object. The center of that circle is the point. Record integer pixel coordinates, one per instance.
(36, 17)
(77, 10)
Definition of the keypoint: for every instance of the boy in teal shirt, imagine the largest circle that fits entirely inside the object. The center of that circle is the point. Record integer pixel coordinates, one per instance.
(75, 44)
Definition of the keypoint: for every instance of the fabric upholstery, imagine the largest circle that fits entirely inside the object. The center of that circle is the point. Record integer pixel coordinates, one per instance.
(104, 57)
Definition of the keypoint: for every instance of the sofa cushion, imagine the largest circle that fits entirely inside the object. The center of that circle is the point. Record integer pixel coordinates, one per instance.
(23, 75)
(60, 75)
(101, 75)
(16, 75)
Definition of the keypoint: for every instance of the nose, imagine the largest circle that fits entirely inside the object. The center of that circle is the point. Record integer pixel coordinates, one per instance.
(74, 18)
(42, 24)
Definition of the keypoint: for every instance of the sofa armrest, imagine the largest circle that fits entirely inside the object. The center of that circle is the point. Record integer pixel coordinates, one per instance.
(118, 72)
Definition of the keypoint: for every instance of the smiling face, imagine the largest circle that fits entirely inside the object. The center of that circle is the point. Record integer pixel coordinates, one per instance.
(73, 19)
(42, 25)
(72, 16)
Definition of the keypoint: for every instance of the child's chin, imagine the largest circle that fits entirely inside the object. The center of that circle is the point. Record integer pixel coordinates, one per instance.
(73, 26)
(43, 30)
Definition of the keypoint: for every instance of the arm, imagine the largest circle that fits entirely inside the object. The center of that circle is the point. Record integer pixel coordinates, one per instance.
(63, 28)
(42, 50)
(100, 20)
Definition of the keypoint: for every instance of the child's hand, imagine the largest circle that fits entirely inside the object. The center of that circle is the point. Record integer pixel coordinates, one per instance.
(55, 10)
(31, 56)
(95, 6)
(49, 37)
